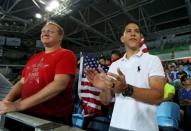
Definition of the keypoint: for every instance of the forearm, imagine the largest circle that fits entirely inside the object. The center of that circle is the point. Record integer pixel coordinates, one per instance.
(106, 96)
(48, 92)
(15, 92)
(150, 96)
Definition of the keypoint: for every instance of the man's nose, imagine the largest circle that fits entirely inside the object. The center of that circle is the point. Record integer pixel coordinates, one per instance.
(133, 33)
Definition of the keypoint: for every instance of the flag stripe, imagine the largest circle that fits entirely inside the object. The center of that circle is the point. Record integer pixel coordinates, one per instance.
(84, 83)
(92, 92)
(89, 95)
(92, 100)
(87, 92)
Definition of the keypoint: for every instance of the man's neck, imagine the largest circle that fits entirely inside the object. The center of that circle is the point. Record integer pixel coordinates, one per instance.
(188, 88)
(130, 52)
(51, 49)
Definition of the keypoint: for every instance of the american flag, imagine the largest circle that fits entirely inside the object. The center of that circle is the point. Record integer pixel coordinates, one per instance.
(87, 92)
(143, 46)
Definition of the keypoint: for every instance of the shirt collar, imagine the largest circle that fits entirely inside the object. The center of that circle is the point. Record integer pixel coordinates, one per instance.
(139, 54)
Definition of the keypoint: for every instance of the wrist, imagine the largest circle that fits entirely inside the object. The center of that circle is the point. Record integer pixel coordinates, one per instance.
(18, 106)
(128, 90)
(6, 99)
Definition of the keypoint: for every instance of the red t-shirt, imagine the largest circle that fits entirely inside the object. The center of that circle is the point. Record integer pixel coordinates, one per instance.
(40, 71)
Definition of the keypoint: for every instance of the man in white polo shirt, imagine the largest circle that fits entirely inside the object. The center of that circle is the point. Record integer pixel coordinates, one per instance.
(137, 80)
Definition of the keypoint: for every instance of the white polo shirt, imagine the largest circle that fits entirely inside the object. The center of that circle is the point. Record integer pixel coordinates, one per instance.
(128, 113)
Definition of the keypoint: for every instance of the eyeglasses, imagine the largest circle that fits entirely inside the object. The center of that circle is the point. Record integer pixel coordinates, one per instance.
(47, 31)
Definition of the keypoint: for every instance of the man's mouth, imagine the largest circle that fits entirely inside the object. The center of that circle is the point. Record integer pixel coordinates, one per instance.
(132, 39)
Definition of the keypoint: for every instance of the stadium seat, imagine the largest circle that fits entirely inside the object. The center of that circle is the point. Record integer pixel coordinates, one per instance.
(168, 114)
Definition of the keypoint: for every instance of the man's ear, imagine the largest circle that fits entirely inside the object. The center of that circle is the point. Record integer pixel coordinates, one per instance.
(122, 39)
(61, 38)
(142, 35)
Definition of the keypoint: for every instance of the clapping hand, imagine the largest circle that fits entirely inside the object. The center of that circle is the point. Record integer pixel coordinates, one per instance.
(99, 80)
(118, 80)
(104, 81)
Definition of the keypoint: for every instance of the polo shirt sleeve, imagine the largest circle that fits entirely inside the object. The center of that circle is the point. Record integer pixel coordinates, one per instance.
(156, 68)
(67, 63)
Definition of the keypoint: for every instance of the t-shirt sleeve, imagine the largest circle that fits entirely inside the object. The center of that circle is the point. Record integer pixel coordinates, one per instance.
(156, 68)
(66, 64)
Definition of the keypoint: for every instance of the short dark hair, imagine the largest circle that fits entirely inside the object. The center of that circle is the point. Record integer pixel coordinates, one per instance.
(102, 57)
(183, 77)
(116, 52)
(134, 22)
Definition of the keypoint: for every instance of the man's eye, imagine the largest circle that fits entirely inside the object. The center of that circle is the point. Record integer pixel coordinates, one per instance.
(138, 31)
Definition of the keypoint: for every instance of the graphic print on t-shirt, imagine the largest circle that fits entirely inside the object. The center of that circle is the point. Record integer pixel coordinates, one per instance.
(34, 75)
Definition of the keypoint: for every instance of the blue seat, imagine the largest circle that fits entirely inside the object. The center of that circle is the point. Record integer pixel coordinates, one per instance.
(168, 114)
(78, 120)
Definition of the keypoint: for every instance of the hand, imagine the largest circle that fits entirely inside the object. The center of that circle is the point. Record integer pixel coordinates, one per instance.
(7, 106)
(119, 81)
(99, 80)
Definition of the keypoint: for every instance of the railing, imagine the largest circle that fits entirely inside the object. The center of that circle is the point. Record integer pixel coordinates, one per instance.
(35, 123)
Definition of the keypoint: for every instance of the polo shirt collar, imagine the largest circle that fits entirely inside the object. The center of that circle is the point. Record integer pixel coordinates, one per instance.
(139, 54)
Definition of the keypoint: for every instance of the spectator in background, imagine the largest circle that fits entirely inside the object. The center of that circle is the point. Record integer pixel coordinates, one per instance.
(180, 70)
(102, 60)
(115, 55)
(173, 73)
(45, 88)
(185, 100)
(185, 92)
(187, 69)
(169, 91)
(107, 61)
(167, 74)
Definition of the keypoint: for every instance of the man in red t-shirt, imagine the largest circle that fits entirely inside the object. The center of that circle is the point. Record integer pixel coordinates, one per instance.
(46, 85)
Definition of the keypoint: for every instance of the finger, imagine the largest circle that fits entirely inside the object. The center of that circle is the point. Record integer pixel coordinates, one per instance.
(111, 84)
(88, 74)
(119, 72)
(113, 76)
(100, 70)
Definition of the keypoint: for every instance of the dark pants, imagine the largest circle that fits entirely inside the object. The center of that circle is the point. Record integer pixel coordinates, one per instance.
(187, 118)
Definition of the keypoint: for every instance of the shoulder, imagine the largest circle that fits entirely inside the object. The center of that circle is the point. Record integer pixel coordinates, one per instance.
(151, 60)
(66, 53)
(149, 56)
(167, 85)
